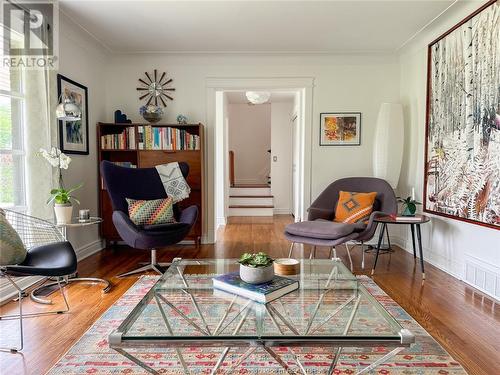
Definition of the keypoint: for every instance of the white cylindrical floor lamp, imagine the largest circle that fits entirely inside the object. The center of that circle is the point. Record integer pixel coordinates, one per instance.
(389, 143)
(388, 147)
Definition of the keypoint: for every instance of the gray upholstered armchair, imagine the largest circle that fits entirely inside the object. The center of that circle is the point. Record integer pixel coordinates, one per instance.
(321, 230)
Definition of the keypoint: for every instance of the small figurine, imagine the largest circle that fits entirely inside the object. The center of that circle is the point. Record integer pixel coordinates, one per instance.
(182, 120)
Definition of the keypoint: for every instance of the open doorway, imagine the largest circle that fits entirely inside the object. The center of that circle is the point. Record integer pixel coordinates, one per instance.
(298, 117)
(260, 153)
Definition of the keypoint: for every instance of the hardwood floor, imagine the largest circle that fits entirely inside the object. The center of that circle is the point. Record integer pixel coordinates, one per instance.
(464, 321)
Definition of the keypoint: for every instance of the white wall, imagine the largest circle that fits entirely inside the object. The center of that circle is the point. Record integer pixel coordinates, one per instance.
(342, 83)
(83, 60)
(281, 148)
(249, 133)
(449, 244)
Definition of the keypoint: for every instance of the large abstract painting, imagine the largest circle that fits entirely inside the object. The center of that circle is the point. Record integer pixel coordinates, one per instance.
(462, 176)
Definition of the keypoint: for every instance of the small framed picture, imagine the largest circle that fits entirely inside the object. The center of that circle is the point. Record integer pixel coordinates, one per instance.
(74, 135)
(340, 129)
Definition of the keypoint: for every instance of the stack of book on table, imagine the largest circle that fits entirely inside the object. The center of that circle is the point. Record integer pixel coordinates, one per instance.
(263, 293)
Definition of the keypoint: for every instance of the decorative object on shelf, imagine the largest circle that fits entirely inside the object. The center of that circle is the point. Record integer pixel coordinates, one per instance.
(340, 129)
(182, 120)
(151, 113)
(257, 97)
(389, 142)
(61, 196)
(256, 268)
(72, 114)
(121, 118)
(409, 204)
(155, 90)
(462, 146)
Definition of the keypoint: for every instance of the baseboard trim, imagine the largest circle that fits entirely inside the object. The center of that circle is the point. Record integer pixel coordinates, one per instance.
(282, 211)
(89, 249)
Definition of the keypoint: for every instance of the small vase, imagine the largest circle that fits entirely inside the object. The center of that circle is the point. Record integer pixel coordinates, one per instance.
(63, 213)
(408, 212)
(256, 275)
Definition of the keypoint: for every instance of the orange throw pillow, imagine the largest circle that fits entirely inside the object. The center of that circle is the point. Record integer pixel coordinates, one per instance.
(354, 207)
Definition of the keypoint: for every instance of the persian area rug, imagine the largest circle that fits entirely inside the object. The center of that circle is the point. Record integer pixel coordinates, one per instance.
(92, 355)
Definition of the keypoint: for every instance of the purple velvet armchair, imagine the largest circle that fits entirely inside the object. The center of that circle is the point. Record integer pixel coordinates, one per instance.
(321, 230)
(144, 183)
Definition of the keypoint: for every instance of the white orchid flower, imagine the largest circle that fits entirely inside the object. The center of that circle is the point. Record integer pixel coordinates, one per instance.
(64, 161)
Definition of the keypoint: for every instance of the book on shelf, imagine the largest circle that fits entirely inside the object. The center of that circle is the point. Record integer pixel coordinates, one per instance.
(119, 141)
(263, 293)
(166, 138)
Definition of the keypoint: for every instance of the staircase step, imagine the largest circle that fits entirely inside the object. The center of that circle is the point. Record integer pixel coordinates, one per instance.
(255, 210)
(239, 191)
(251, 206)
(251, 196)
(250, 200)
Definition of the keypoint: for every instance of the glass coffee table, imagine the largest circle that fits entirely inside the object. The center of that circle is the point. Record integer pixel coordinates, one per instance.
(330, 309)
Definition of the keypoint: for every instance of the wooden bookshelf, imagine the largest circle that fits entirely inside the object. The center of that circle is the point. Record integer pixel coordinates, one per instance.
(146, 158)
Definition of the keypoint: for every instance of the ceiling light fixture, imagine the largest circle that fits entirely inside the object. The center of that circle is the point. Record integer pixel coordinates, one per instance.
(257, 97)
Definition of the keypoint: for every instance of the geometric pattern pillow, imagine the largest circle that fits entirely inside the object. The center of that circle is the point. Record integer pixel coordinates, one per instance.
(354, 207)
(156, 211)
(12, 250)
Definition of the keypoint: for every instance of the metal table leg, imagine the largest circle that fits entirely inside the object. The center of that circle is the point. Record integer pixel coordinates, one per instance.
(412, 227)
(419, 237)
(380, 237)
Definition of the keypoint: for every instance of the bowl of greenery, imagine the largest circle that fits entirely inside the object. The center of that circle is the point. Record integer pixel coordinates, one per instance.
(256, 268)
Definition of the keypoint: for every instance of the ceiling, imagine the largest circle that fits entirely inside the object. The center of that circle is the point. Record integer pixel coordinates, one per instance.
(239, 97)
(253, 26)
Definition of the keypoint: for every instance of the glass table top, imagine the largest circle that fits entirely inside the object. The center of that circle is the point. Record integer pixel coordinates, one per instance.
(330, 304)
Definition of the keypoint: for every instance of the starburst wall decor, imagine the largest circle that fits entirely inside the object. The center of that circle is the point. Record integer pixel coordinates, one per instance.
(156, 90)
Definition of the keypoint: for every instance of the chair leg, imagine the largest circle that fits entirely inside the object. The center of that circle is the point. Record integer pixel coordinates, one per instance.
(333, 253)
(349, 256)
(313, 253)
(20, 316)
(362, 255)
(153, 265)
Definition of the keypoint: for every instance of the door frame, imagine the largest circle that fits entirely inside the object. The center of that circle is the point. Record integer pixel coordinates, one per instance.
(216, 153)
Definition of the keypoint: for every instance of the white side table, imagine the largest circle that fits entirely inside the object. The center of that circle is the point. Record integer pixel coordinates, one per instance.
(75, 223)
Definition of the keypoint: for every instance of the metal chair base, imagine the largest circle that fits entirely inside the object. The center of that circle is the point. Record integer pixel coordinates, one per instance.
(34, 295)
(20, 316)
(152, 266)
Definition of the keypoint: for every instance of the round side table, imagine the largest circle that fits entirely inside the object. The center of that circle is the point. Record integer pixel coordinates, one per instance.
(414, 222)
(75, 223)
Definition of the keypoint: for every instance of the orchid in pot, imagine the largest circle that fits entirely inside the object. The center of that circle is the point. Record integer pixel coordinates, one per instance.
(62, 197)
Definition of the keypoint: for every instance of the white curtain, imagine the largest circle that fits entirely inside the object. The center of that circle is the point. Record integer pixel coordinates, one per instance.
(40, 132)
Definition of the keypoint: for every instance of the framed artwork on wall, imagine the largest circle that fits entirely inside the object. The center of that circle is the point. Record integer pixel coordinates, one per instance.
(74, 135)
(340, 129)
(462, 149)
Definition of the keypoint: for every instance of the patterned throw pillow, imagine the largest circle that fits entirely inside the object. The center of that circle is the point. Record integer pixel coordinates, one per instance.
(156, 211)
(354, 207)
(12, 250)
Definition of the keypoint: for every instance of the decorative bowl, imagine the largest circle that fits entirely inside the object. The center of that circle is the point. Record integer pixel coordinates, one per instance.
(152, 117)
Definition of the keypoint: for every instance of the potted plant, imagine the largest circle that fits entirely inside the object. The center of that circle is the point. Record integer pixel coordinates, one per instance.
(61, 196)
(256, 268)
(409, 206)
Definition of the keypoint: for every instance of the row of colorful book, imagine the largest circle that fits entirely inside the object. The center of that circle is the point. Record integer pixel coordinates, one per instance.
(165, 138)
(121, 141)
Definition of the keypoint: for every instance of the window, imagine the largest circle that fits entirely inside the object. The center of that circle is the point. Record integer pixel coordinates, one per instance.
(12, 152)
